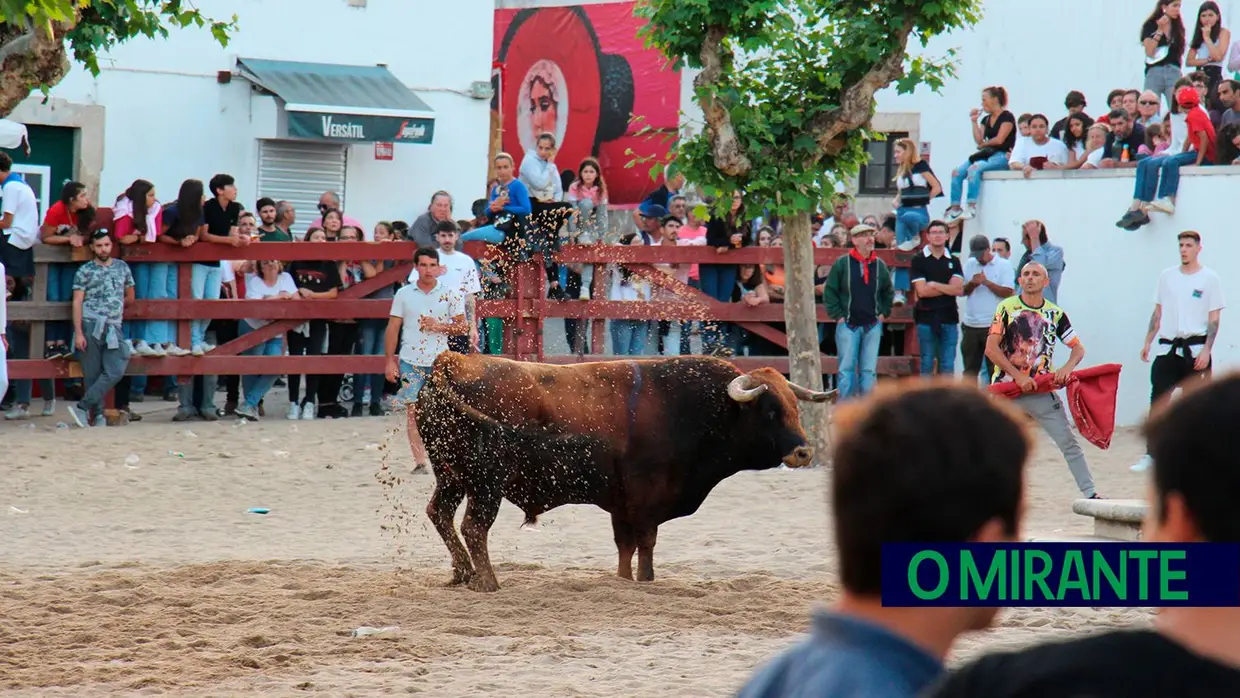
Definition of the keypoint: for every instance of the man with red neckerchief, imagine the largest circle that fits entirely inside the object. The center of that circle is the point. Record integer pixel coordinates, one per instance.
(858, 294)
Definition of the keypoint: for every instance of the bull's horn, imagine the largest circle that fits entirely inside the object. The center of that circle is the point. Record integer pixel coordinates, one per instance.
(803, 393)
(742, 388)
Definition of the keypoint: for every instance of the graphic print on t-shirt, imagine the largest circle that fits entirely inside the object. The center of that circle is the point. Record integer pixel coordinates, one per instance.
(1027, 336)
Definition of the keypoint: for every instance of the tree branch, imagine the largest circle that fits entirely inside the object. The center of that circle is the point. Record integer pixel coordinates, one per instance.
(830, 128)
(29, 61)
(729, 157)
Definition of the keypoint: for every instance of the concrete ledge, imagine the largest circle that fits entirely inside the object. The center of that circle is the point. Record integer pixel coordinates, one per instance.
(1116, 519)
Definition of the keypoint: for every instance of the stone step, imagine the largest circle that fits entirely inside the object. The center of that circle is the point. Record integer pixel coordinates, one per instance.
(1118, 519)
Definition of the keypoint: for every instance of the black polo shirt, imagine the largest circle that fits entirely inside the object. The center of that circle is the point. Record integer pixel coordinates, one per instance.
(936, 309)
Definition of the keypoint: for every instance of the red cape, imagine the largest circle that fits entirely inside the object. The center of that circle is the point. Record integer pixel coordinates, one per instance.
(1091, 397)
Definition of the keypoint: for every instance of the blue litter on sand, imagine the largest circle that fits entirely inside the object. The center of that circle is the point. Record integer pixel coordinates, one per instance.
(259, 510)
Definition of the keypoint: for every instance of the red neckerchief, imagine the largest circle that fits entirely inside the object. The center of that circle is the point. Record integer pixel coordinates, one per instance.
(865, 263)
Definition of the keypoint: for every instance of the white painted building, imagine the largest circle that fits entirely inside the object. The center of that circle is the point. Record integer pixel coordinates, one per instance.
(185, 107)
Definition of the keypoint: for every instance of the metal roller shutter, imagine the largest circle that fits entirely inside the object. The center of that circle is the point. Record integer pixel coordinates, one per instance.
(299, 172)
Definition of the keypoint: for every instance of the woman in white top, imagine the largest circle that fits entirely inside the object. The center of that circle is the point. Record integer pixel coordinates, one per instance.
(1208, 49)
(628, 337)
(270, 282)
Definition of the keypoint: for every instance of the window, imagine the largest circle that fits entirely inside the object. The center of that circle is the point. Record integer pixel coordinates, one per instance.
(878, 175)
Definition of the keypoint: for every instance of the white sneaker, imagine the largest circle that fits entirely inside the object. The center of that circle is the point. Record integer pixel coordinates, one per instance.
(953, 215)
(1142, 465)
(18, 412)
(366, 396)
(307, 410)
(197, 350)
(171, 349)
(585, 294)
(899, 299)
(141, 348)
(909, 245)
(207, 347)
(49, 408)
(294, 411)
(1163, 205)
(970, 212)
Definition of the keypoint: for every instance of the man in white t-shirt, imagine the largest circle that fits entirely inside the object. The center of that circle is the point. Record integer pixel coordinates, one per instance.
(19, 223)
(457, 271)
(424, 314)
(988, 280)
(1187, 307)
(1039, 151)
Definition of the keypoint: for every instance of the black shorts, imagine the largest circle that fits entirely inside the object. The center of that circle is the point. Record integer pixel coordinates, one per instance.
(17, 262)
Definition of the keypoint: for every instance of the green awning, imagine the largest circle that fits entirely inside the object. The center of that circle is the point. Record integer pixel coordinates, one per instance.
(357, 103)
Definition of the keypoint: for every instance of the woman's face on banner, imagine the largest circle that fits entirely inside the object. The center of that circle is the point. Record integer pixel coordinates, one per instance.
(543, 108)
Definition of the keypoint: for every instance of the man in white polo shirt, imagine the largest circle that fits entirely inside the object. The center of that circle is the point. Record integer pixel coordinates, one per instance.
(457, 271)
(988, 280)
(19, 224)
(424, 314)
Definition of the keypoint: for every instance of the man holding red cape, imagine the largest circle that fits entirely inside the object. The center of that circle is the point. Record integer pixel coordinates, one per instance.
(1021, 341)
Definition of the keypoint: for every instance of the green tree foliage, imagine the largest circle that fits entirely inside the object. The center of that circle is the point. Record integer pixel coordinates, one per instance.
(787, 86)
(38, 36)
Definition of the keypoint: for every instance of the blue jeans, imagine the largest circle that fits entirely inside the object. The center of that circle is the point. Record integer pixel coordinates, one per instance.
(412, 378)
(910, 221)
(154, 281)
(1148, 180)
(487, 233)
(942, 347)
(206, 280)
(858, 354)
(373, 334)
(718, 282)
(973, 171)
(628, 337)
(256, 387)
(19, 348)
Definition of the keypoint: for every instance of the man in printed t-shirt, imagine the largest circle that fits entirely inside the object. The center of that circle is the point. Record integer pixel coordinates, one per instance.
(1022, 339)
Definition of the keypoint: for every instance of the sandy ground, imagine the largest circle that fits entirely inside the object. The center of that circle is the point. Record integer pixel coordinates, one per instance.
(129, 570)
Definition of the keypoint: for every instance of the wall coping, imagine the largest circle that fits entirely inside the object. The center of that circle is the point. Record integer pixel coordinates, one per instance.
(1130, 173)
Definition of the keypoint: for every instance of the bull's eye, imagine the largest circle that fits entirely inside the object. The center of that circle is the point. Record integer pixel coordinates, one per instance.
(771, 414)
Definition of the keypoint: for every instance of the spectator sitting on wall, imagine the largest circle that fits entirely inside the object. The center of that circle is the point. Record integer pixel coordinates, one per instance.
(329, 201)
(439, 210)
(1075, 136)
(1160, 176)
(841, 207)
(1156, 142)
(1022, 127)
(508, 206)
(1039, 151)
(885, 237)
(995, 136)
(1039, 248)
(1115, 100)
(1148, 108)
(1075, 104)
(1122, 144)
(1229, 99)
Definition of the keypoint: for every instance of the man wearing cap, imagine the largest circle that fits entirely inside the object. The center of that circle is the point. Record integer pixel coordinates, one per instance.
(987, 280)
(649, 222)
(858, 295)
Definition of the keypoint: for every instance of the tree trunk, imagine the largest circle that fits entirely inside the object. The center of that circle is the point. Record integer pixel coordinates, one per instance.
(800, 315)
(28, 61)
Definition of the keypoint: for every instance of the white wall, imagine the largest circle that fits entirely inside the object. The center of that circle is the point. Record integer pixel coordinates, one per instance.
(167, 119)
(1108, 284)
(1038, 51)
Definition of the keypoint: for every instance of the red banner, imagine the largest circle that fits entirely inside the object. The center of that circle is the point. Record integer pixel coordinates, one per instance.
(582, 73)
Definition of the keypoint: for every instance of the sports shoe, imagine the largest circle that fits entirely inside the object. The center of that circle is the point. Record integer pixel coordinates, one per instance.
(909, 245)
(171, 349)
(1142, 465)
(99, 421)
(79, 417)
(49, 408)
(307, 410)
(970, 212)
(202, 348)
(184, 415)
(141, 348)
(376, 410)
(18, 412)
(899, 299)
(294, 411)
(244, 410)
(953, 214)
(585, 293)
(1163, 205)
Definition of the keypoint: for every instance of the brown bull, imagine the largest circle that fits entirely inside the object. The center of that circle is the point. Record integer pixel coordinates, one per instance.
(645, 440)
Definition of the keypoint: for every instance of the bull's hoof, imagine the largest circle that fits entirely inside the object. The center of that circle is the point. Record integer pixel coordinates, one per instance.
(460, 577)
(478, 583)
